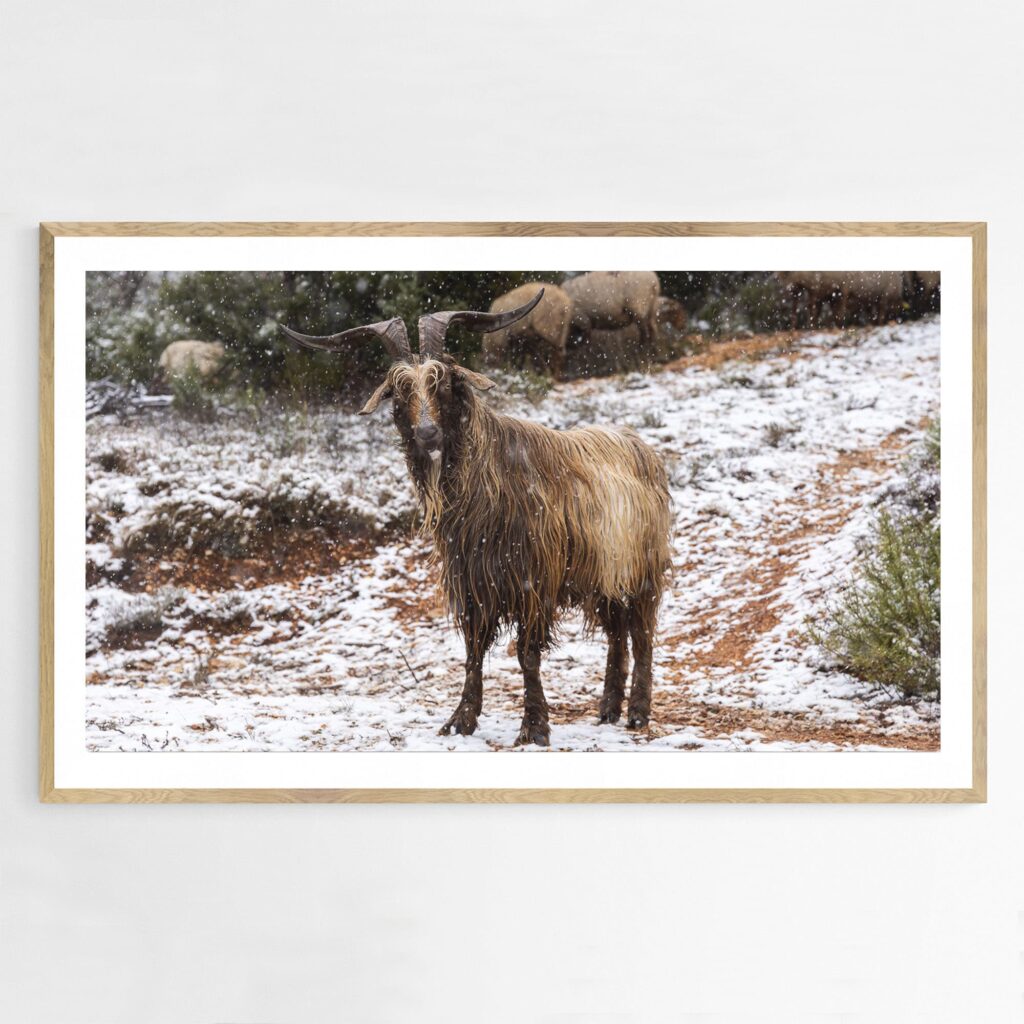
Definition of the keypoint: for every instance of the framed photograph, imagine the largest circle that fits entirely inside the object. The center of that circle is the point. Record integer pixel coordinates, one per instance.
(512, 512)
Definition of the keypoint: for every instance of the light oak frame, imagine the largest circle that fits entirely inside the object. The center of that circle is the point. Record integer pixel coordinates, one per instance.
(976, 792)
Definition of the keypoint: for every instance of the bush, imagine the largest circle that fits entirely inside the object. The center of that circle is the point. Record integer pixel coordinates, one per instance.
(885, 627)
(192, 397)
(525, 383)
(764, 304)
(719, 313)
(776, 433)
(123, 334)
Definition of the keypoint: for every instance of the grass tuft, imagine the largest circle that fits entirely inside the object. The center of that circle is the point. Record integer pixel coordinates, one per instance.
(142, 617)
(775, 433)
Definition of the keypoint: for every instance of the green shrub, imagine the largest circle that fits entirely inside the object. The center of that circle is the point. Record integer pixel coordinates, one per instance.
(719, 313)
(764, 304)
(885, 627)
(131, 317)
(192, 397)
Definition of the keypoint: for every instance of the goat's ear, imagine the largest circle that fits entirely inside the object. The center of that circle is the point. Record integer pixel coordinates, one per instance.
(384, 391)
(477, 380)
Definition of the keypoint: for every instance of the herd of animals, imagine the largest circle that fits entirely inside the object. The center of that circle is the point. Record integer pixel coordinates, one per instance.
(599, 322)
(599, 316)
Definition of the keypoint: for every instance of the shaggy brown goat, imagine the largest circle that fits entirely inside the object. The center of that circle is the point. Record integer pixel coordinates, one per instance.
(526, 520)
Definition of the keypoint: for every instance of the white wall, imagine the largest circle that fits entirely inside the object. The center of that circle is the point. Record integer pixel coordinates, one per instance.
(216, 110)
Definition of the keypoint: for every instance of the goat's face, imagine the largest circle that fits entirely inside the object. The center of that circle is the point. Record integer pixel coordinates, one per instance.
(430, 400)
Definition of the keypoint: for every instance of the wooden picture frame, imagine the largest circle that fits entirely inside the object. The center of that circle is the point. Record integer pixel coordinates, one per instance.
(973, 788)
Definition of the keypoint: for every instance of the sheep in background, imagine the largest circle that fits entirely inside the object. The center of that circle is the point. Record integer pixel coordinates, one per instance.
(607, 300)
(670, 314)
(923, 290)
(539, 337)
(834, 298)
(204, 358)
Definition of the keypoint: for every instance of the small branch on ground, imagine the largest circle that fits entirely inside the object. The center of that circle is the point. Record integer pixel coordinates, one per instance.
(409, 667)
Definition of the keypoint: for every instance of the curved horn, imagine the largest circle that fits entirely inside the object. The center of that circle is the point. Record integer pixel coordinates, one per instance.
(434, 326)
(391, 332)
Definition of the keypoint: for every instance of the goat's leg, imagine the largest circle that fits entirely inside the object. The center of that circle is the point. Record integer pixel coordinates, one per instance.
(642, 615)
(464, 719)
(613, 618)
(535, 728)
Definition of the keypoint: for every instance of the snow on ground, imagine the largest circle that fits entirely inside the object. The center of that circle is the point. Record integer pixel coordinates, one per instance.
(775, 457)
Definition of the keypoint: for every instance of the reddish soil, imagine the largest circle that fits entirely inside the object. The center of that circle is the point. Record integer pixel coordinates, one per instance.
(760, 346)
(300, 554)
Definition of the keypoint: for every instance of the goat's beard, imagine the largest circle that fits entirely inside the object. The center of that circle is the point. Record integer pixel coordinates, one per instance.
(430, 490)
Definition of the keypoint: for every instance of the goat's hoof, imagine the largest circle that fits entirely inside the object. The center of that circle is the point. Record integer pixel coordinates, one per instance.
(463, 722)
(609, 716)
(534, 732)
(638, 720)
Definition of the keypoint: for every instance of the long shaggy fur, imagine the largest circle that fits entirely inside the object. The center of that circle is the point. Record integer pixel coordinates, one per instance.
(528, 520)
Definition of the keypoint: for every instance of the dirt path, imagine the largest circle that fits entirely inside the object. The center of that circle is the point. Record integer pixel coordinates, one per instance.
(728, 636)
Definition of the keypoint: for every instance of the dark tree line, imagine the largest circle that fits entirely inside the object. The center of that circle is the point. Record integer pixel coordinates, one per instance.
(132, 316)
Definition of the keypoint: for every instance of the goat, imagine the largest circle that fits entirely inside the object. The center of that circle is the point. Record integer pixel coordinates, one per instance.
(526, 520)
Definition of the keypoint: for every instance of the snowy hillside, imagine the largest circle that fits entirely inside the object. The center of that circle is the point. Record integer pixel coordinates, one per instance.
(776, 454)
